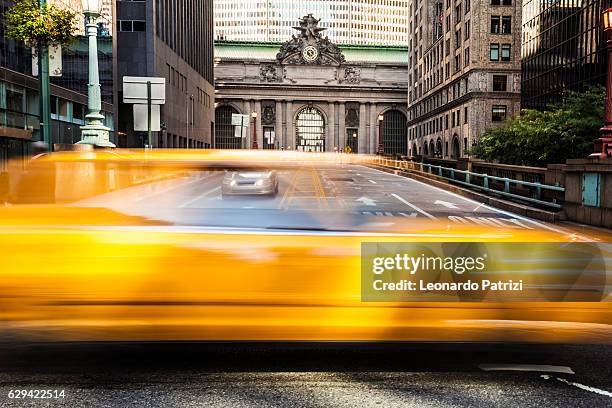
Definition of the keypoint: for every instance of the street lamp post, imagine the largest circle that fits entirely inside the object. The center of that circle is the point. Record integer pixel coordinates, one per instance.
(381, 147)
(603, 145)
(254, 116)
(94, 132)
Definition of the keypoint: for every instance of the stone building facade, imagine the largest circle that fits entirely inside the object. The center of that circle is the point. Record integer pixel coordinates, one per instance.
(311, 94)
(464, 72)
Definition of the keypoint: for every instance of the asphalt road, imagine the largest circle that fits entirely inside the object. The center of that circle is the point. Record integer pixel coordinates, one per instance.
(193, 375)
(349, 189)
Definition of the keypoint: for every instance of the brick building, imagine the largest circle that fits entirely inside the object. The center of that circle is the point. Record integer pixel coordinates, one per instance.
(464, 72)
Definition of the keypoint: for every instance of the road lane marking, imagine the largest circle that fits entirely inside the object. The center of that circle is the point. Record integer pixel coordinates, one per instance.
(366, 201)
(193, 200)
(446, 204)
(581, 386)
(479, 205)
(543, 368)
(497, 210)
(372, 181)
(412, 215)
(414, 207)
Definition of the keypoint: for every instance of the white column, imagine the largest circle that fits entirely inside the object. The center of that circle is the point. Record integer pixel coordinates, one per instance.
(363, 139)
(373, 128)
(290, 136)
(278, 127)
(331, 135)
(259, 127)
(341, 126)
(247, 143)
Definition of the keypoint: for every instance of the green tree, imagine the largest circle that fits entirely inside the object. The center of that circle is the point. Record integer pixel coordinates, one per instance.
(35, 25)
(537, 138)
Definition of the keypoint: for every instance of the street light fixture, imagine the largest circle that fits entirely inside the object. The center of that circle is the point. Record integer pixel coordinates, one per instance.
(603, 145)
(381, 147)
(254, 116)
(94, 132)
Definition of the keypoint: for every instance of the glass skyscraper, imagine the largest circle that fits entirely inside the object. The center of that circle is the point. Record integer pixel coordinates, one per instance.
(360, 22)
(563, 47)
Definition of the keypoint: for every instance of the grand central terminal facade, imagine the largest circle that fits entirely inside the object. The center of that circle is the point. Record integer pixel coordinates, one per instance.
(310, 94)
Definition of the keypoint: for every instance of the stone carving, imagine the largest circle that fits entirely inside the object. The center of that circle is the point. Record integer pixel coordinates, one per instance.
(309, 47)
(516, 83)
(482, 82)
(352, 75)
(268, 115)
(267, 72)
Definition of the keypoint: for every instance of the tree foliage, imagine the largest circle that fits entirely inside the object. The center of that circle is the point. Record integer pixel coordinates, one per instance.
(537, 138)
(27, 21)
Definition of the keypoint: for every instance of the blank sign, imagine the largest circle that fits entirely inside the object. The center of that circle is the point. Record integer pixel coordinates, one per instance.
(135, 90)
(140, 118)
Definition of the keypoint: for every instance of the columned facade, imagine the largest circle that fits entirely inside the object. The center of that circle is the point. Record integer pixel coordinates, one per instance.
(340, 91)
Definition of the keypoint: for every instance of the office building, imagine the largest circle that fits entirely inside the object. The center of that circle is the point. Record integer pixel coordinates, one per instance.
(564, 48)
(174, 40)
(464, 72)
(350, 22)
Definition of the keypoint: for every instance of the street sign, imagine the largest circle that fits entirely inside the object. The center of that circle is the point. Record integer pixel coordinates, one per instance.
(55, 61)
(141, 118)
(240, 120)
(135, 90)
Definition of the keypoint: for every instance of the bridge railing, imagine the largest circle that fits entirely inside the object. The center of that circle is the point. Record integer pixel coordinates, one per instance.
(524, 191)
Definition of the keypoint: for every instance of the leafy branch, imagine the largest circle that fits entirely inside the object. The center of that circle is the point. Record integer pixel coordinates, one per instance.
(35, 25)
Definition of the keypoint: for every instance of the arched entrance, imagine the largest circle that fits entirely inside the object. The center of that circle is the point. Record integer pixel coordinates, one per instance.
(414, 150)
(394, 132)
(225, 137)
(432, 149)
(425, 149)
(456, 150)
(310, 130)
(439, 148)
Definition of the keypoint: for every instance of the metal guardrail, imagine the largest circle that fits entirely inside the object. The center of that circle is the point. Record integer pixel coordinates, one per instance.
(469, 179)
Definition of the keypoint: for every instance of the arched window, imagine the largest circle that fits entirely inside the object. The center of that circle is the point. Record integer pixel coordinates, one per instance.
(439, 148)
(456, 152)
(425, 149)
(225, 138)
(432, 149)
(394, 132)
(310, 130)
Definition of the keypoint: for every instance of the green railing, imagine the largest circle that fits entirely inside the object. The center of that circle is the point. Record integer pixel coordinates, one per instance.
(480, 181)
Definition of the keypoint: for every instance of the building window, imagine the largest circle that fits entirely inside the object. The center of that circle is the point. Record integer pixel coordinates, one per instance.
(498, 113)
(467, 6)
(506, 24)
(458, 38)
(494, 52)
(500, 83)
(505, 52)
(457, 62)
(495, 24)
(465, 115)
(467, 30)
(466, 57)
(458, 13)
(448, 24)
(132, 25)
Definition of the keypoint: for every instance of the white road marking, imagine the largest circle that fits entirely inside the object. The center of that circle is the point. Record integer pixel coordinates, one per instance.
(581, 386)
(193, 200)
(414, 207)
(372, 181)
(526, 367)
(497, 210)
(366, 201)
(412, 215)
(479, 205)
(446, 204)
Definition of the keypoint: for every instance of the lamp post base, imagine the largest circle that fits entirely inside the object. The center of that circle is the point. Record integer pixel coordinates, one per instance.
(97, 135)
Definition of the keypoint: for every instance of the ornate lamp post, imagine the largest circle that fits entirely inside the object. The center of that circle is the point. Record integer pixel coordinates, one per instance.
(603, 145)
(381, 147)
(94, 132)
(254, 116)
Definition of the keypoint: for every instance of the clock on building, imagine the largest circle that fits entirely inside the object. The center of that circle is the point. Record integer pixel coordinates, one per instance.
(310, 53)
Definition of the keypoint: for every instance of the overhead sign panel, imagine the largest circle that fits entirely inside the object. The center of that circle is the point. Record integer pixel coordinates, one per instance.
(135, 90)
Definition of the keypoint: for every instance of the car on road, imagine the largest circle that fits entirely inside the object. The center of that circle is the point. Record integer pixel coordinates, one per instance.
(249, 183)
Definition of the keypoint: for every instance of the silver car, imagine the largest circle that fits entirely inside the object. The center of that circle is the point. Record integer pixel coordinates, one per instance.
(250, 183)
